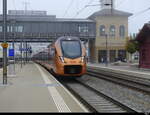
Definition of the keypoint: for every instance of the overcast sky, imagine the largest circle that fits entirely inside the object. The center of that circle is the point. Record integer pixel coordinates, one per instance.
(59, 8)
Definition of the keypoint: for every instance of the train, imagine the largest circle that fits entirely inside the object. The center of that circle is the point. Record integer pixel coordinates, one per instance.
(64, 57)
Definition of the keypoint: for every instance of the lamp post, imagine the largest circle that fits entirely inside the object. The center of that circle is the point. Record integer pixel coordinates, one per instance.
(5, 45)
(13, 44)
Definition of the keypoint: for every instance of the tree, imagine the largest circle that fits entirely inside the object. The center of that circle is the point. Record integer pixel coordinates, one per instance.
(132, 46)
(136, 43)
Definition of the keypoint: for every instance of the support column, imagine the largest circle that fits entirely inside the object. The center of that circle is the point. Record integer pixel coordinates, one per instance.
(26, 47)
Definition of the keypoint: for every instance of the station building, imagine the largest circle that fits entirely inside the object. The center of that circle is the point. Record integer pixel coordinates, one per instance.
(106, 24)
(111, 35)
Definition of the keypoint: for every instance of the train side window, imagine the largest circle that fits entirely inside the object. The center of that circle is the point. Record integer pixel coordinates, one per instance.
(53, 51)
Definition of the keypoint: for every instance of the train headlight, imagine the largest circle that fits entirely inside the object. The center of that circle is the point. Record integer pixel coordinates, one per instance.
(82, 59)
(62, 59)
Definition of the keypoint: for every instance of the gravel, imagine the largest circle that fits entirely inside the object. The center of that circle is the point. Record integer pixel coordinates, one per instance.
(137, 100)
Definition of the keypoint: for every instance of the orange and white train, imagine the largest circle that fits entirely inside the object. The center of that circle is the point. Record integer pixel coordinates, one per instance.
(65, 57)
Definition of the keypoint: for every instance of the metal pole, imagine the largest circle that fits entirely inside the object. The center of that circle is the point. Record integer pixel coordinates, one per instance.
(21, 53)
(106, 63)
(111, 7)
(14, 45)
(26, 51)
(4, 48)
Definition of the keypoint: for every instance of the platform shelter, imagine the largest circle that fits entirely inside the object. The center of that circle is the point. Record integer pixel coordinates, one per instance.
(144, 42)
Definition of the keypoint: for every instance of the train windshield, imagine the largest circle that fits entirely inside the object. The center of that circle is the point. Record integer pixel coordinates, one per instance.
(71, 49)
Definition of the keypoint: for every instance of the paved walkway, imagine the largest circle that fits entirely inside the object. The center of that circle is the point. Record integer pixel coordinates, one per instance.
(33, 89)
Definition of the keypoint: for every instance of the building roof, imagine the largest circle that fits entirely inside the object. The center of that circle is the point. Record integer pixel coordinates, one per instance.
(27, 12)
(42, 18)
(73, 20)
(109, 12)
(38, 16)
(30, 18)
(144, 33)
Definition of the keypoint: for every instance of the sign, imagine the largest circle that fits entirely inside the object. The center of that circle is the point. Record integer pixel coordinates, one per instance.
(11, 52)
(4, 45)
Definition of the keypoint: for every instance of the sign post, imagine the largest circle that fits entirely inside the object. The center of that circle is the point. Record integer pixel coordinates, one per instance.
(5, 45)
(12, 65)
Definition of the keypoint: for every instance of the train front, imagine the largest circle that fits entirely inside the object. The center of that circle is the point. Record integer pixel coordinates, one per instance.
(72, 60)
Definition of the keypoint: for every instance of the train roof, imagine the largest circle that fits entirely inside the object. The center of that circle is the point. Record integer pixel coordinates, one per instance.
(68, 38)
(64, 38)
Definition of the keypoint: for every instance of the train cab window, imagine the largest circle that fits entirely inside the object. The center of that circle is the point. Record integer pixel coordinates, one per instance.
(71, 49)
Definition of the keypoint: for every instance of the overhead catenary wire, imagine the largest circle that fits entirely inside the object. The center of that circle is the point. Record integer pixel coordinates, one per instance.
(14, 4)
(30, 5)
(69, 6)
(139, 13)
(120, 3)
(88, 4)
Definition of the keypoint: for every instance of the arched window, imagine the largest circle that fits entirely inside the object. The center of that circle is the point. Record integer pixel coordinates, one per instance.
(102, 30)
(122, 31)
(112, 31)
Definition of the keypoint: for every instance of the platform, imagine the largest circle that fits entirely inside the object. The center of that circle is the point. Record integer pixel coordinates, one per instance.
(34, 89)
(128, 70)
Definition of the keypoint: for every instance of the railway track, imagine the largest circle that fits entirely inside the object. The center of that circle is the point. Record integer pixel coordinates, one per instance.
(121, 79)
(94, 100)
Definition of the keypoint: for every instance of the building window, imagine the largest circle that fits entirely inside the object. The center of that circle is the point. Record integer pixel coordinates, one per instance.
(112, 31)
(20, 28)
(122, 31)
(83, 29)
(122, 55)
(1, 28)
(102, 30)
(8, 28)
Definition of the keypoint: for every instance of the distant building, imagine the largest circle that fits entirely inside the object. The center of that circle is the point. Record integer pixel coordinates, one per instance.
(144, 41)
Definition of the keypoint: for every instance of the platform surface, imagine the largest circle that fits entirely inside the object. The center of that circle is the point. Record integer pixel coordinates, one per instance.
(124, 69)
(33, 89)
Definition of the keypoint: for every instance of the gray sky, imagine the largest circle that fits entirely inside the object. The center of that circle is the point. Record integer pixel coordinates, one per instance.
(59, 8)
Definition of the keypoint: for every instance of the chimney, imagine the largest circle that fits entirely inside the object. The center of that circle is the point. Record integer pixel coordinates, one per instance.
(107, 4)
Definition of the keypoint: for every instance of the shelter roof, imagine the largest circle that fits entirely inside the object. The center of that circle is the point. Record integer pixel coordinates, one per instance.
(144, 33)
